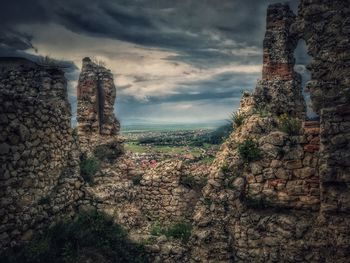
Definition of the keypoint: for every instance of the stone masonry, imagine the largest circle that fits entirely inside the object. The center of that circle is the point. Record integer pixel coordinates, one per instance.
(38, 156)
(293, 204)
(280, 91)
(325, 27)
(290, 205)
(97, 123)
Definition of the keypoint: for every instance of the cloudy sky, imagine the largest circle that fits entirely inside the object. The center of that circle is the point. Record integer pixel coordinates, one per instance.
(173, 61)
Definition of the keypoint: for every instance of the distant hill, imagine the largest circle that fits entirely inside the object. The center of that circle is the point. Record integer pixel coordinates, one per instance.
(147, 126)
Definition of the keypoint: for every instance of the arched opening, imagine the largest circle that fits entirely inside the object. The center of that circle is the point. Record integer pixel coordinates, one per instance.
(302, 59)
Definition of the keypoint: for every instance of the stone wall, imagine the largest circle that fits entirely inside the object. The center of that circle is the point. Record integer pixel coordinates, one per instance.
(162, 195)
(97, 123)
(158, 194)
(288, 174)
(140, 199)
(325, 28)
(256, 211)
(335, 159)
(39, 165)
(280, 90)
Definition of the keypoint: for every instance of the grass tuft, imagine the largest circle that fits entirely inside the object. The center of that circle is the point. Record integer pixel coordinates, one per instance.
(289, 125)
(89, 166)
(180, 230)
(249, 151)
(237, 119)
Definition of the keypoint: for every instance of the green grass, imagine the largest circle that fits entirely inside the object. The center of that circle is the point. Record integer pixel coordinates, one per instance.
(137, 148)
(89, 166)
(289, 125)
(249, 151)
(207, 160)
(225, 168)
(180, 230)
(237, 119)
(157, 230)
(261, 111)
(90, 237)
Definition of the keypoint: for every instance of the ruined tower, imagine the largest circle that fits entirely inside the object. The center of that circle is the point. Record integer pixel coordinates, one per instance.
(97, 123)
(280, 90)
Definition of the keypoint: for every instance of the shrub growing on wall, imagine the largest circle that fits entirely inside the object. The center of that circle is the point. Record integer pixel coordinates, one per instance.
(289, 125)
(180, 230)
(237, 119)
(88, 168)
(249, 151)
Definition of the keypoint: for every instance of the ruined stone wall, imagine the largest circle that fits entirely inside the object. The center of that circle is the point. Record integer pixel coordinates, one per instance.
(159, 194)
(288, 174)
(97, 123)
(257, 212)
(335, 159)
(324, 25)
(38, 172)
(164, 197)
(280, 91)
(142, 199)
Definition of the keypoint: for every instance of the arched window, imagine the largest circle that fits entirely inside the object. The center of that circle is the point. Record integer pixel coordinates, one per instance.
(302, 59)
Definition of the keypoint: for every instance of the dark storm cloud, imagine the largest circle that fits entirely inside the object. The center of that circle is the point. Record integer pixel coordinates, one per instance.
(184, 26)
(205, 34)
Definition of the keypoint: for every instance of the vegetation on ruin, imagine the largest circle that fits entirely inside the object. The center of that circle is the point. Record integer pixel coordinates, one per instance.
(261, 111)
(225, 168)
(249, 151)
(281, 152)
(180, 230)
(136, 179)
(89, 166)
(44, 200)
(207, 160)
(237, 119)
(91, 236)
(289, 125)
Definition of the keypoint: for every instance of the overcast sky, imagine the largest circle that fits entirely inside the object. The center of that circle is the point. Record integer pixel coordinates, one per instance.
(173, 61)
